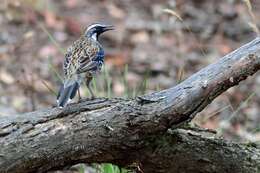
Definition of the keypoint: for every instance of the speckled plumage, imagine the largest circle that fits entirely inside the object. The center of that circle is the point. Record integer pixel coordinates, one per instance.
(84, 58)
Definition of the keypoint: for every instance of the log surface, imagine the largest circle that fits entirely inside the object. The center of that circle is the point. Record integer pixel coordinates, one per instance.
(193, 151)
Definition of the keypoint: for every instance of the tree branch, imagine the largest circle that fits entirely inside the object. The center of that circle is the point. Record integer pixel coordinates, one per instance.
(102, 130)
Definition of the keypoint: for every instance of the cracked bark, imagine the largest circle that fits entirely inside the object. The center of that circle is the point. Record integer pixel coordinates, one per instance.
(186, 151)
(121, 131)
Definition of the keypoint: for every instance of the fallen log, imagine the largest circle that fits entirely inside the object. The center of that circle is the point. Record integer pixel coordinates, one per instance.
(185, 151)
(108, 130)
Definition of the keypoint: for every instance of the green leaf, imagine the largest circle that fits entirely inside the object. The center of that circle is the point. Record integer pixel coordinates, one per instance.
(108, 168)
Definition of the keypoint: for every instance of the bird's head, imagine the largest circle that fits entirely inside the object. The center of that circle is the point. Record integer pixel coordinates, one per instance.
(94, 30)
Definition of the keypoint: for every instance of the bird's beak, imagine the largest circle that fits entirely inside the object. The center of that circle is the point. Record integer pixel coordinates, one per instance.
(108, 27)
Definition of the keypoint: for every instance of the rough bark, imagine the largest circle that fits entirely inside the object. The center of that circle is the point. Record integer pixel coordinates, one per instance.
(106, 130)
(192, 151)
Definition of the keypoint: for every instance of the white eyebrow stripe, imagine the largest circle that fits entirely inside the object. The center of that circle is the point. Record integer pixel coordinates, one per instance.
(93, 25)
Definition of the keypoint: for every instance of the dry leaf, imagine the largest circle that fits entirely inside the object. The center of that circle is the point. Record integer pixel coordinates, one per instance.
(6, 77)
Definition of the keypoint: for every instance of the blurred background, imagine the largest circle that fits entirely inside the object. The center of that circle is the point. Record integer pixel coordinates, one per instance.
(156, 45)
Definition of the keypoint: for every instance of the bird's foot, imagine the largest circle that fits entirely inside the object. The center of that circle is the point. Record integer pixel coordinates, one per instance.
(79, 100)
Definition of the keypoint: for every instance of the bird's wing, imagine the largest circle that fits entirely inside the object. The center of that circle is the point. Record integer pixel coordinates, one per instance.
(85, 55)
(90, 66)
(91, 58)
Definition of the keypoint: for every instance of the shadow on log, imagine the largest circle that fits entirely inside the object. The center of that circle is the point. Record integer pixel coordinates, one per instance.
(109, 130)
(192, 151)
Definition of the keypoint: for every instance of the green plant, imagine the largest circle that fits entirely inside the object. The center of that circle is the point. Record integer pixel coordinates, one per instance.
(110, 168)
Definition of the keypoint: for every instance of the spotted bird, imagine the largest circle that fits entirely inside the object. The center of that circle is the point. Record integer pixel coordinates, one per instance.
(84, 58)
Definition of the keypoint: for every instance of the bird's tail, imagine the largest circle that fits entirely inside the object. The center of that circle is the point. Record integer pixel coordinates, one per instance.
(67, 92)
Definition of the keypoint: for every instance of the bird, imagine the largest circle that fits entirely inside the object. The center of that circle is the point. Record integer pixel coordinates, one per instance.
(83, 60)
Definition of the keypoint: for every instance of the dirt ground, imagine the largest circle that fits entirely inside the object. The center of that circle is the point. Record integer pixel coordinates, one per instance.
(148, 51)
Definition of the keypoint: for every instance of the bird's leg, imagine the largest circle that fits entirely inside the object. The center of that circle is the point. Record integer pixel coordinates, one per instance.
(79, 99)
(91, 92)
(89, 88)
